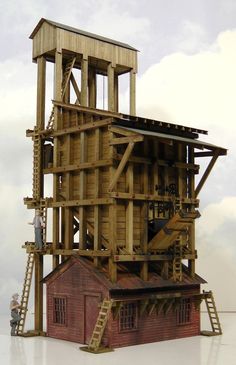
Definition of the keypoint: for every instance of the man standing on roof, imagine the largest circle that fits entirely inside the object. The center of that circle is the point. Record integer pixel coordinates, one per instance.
(14, 307)
(38, 230)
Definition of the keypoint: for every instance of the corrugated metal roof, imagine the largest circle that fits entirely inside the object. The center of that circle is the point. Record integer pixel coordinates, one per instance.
(79, 31)
(188, 141)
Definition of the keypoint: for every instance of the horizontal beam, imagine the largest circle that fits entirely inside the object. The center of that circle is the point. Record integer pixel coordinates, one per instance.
(123, 140)
(81, 202)
(165, 198)
(84, 109)
(82, 127)
(161, 257)
(81, 166)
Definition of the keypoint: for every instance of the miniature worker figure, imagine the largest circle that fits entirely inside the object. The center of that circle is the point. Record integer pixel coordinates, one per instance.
(38, 230)
(14, 307)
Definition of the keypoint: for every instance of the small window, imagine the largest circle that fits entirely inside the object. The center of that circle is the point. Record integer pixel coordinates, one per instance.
(59, 310)
(128, 317)
(183, 314)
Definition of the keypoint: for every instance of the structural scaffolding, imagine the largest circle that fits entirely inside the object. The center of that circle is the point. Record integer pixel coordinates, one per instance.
(124, 194)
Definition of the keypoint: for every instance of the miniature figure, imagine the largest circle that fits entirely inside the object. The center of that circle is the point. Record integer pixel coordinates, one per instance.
(14, 307)
(38, 228)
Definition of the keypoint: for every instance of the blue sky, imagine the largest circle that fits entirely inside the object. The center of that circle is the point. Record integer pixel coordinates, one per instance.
(186, 75)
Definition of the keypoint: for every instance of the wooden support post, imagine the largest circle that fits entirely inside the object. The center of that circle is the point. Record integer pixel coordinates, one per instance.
(206, 173)
(82, 188)
(191, 230)
(144, 216)
(69, 236)
(132, 92)
(111, 93)
(92, 83)
(112, 223)
(116, 92)
(57, 96)
(84, 81)
(130, 209)
(41, 88)
(97, 209)
(38, 292)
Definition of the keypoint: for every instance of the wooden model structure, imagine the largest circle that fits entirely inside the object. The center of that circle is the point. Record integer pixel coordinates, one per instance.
(124, 203)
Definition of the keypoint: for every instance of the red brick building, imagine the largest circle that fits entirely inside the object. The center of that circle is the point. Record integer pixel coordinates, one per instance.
(150, 311)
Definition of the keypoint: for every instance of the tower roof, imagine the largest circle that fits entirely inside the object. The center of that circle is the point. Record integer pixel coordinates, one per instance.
(79, 31)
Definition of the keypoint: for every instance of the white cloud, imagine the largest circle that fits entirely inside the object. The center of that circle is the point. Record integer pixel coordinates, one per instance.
(197, 89)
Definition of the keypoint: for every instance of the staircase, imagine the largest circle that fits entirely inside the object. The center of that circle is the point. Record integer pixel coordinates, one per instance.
(25, 293)
(176, 226)
(213, 315)
(95, 341)
(66, 78)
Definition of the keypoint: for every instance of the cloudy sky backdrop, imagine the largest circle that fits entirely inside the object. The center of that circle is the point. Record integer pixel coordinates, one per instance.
(187, 75)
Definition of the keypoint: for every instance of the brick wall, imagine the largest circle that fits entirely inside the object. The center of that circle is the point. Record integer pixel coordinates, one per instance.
(75, 284)
(153, 328)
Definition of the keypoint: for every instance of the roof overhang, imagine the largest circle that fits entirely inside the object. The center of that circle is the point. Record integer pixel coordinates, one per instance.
(170, 139)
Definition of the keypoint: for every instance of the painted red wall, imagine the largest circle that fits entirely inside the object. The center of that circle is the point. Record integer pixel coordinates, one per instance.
(79, 287)
(84, 292)
(154, 328)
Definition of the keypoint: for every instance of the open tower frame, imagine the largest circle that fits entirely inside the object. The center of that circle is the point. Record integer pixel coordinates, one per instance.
(124, 191)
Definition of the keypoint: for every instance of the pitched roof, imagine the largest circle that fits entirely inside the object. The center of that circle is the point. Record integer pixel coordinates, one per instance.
(79, 31)
(126, 281)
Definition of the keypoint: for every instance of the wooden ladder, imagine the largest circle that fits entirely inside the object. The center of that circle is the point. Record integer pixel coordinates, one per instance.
(95, 341)
(177, 263)
(66, 78)
(36, 165)
(43, 212)
(25, 293)
(213, 315)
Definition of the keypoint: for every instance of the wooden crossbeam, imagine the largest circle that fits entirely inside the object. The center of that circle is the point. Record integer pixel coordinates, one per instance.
(81, 166)
(123, 140)
(123, 132)
(143, 306)
(122, 164)
(80, 202)
(206, 173)
(76, 88)
(82, 128)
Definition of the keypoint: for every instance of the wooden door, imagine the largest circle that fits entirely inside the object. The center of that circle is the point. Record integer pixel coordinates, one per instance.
(91, 314)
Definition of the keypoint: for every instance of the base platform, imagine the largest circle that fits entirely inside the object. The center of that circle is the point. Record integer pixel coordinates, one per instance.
(99, 351)
(210, 333)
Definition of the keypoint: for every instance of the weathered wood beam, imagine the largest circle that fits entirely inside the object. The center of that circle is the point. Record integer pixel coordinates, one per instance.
(110, 80)
(41, 89)
(149, 197)
(81, 202)
(149, 258)
(123, 140)
(121, 166)
(90, 111)
(143, 306)
(84, 81)
(83, 127)
(130, 209)
(38, 292)
(81, 166)
(206, 173)
(132, 90)
(122, 131)
(75, 87)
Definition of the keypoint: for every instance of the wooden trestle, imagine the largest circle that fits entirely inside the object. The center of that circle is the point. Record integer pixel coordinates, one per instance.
(125, 184)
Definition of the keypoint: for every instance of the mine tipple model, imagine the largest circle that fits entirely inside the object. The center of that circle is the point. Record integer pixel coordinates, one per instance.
(124, 203)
